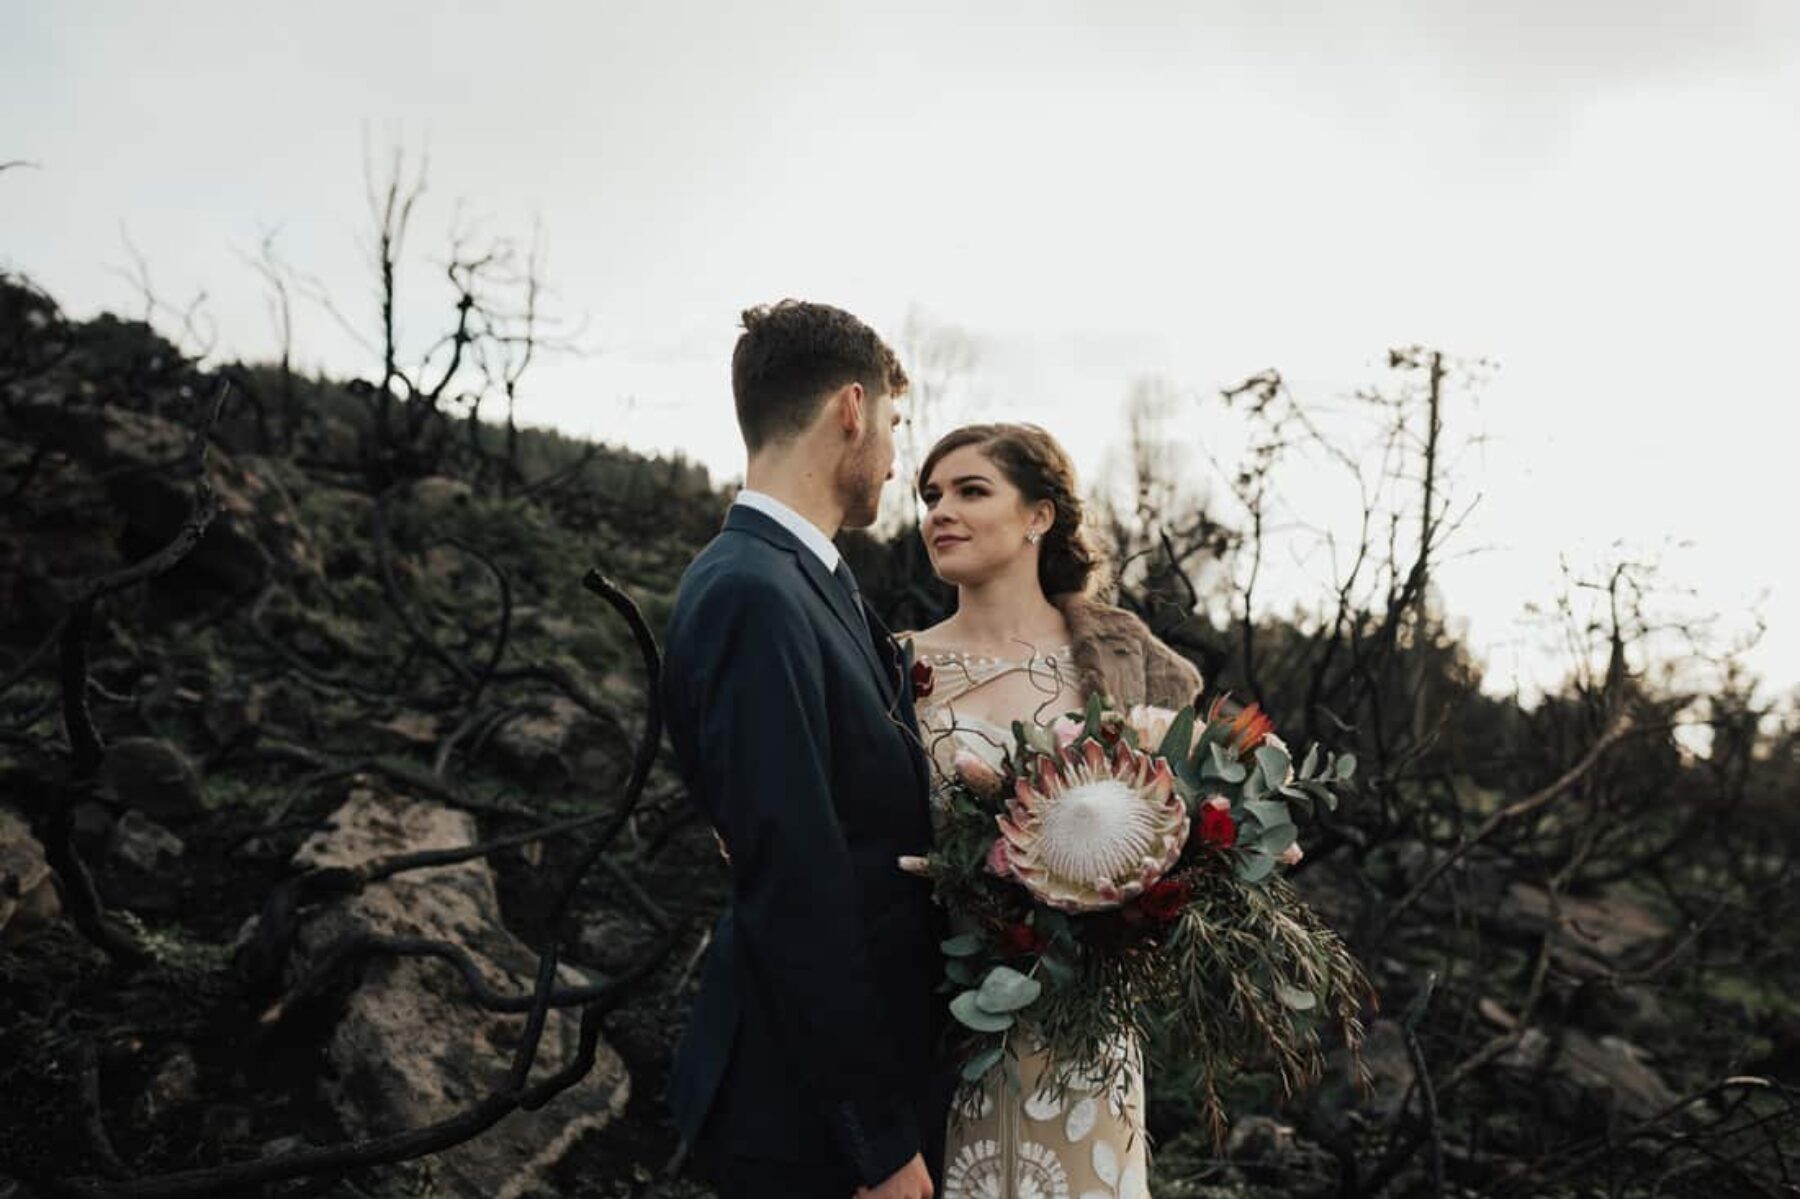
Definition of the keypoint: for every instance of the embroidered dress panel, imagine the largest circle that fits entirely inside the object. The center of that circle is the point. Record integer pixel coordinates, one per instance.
(1036, 1139)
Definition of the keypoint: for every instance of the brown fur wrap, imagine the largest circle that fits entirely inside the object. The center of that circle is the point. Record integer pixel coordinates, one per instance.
(1116, 653)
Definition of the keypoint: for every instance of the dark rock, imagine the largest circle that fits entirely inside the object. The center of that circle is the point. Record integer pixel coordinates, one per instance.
(1259, 1139)
(436, 494)
(1336, 1105)
(1605, 1077)
(555, 740)
(174, 1085)
(152, 776)
(612, 941)
(1595, 936)
(141, 860)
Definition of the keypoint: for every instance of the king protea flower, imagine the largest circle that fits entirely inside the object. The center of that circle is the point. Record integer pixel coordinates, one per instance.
(1087, 829)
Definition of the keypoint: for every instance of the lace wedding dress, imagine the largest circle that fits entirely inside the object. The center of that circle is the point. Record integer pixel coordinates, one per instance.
(1029, 1142)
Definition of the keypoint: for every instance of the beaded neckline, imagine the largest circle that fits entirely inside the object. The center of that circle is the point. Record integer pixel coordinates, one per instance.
(958, 658)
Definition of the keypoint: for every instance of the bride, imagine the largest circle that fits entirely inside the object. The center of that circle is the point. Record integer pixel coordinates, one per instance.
(1027, 642)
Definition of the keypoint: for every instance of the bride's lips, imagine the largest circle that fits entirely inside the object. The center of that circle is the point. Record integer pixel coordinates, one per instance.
(946, 540)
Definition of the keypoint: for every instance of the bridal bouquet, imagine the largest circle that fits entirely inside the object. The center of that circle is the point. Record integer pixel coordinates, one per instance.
(1116, 872)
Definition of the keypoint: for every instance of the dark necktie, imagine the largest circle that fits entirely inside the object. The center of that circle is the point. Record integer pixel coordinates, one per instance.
(849, 581)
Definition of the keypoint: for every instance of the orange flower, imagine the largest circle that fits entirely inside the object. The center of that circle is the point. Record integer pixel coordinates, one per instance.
(1248, 727)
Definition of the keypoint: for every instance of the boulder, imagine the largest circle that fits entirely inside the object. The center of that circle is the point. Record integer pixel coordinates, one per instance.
(129, 465)
(142, 860)
(152, 776)
(434, 495)
(555, 740)
(28, 895)
(174, 1085)
(1595, 935)
(1336, 1106)
(613, 941)
(1605, 1076)
(411, 1047)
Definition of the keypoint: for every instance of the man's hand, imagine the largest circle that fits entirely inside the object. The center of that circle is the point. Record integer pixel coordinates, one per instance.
(911, 1181)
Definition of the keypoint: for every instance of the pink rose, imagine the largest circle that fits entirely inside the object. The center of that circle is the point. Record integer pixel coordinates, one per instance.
(1292, 855)
(976, 774)
(1067, 728)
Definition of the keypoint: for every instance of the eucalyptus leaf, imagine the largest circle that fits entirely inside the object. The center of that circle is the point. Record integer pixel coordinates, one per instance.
(1094, 710)
(961, 971)
(982, 1062)
(963, 945)
(1268, 812)
(1298, 998)
(1006, 990)
(1254, 786)
(1310, 761)
(1224, 766)
(1175, 742)
(969, 1014)
(1302, 799)
(1255, 866)
(1060, 972)
(1273, 764)
(1346, 766)
(1276, 838)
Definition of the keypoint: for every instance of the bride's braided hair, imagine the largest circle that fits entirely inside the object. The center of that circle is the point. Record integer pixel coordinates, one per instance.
(1035, 463)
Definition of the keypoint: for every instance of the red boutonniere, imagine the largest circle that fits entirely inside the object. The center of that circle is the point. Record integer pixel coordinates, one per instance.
(924, 678)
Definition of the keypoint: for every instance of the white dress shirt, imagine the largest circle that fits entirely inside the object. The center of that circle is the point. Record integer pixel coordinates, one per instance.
(810, 535)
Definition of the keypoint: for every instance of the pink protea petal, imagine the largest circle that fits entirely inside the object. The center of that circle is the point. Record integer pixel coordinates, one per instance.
(1094, 757)
(1049, 782)
(999, 859)
(1161, 783)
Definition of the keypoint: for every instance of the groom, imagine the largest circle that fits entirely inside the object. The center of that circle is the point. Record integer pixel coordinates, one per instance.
(807, 1067)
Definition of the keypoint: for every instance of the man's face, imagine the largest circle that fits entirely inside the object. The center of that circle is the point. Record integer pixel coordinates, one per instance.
(870, 462)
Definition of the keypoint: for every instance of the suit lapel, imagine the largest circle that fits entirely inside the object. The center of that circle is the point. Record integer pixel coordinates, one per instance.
(745, 520)
(844, 608)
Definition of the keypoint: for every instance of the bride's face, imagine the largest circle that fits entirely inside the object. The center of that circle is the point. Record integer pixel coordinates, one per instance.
(976, 520)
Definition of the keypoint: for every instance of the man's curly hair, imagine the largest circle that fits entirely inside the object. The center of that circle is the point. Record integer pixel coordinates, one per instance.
(793, 354)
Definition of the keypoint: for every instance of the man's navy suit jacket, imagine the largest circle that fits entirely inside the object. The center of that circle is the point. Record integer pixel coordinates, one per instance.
(814, 1030)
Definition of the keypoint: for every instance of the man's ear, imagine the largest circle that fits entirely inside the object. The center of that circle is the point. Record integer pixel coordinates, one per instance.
(851, 403)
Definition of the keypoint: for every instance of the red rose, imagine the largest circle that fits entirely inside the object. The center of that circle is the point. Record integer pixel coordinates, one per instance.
(1163, 900)
(923, 678)
(1019, 939)
(1216, 828)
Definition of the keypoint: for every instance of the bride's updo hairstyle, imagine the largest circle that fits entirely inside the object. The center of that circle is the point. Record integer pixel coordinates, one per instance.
(1035, 463)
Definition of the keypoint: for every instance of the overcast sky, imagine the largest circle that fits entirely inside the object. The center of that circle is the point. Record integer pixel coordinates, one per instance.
(1598, 197)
